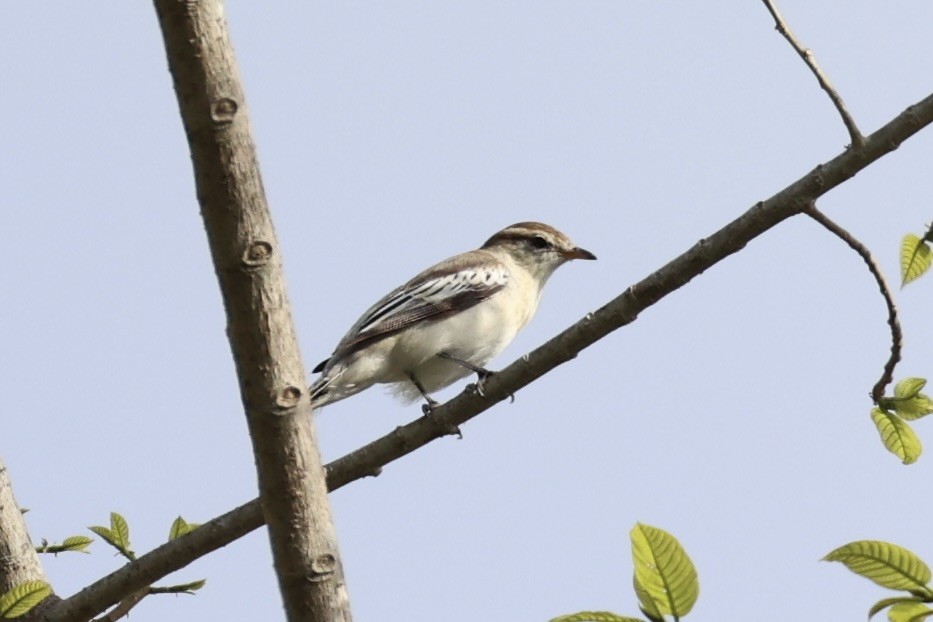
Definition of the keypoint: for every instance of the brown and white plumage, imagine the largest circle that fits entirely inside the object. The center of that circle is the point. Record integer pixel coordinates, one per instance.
(448, 320)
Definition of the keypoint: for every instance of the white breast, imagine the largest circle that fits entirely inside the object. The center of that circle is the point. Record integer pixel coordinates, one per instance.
(475, 335)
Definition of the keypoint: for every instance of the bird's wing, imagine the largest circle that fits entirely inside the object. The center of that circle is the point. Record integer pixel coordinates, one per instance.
(449, 287)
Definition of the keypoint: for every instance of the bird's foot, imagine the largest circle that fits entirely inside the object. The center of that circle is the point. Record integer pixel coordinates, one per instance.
(428, 410)
(479, 386)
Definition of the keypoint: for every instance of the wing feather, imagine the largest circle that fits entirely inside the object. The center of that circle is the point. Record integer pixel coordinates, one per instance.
(432, 295)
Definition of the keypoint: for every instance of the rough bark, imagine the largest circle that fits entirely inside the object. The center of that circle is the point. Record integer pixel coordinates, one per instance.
(248, 263)
(19, 562)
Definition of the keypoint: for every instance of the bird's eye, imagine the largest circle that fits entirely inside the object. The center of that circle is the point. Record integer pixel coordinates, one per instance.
(539, 242)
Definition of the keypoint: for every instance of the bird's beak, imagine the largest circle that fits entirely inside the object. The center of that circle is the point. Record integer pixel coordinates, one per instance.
(578, 253)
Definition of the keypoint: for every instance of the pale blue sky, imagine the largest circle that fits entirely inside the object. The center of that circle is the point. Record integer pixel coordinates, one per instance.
(733, 414)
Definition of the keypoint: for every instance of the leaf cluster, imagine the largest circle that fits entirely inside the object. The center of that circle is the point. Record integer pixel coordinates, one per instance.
(892, 567)
(891, 415)
(24, 597)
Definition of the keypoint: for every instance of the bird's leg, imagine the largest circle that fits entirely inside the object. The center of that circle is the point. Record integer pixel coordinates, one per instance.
(482, 373)
(431, 402)
(430, 405)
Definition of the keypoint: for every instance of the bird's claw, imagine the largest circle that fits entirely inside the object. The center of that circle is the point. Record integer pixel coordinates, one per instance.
(478, 386)
(428, 410)
(476, 389)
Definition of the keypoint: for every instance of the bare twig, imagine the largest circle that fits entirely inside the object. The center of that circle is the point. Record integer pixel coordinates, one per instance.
(622, 310)
(781, 26)
(897, 337)
(124, 606)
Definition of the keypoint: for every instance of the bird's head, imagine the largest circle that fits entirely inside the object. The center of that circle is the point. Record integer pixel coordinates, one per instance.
(537, 247)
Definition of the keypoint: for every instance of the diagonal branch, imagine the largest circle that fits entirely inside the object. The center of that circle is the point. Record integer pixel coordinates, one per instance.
(897, 337)
(622, 310)
(781, 26)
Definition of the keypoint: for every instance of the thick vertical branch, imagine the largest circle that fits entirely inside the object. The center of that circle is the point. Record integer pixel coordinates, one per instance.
(18, 559)
(292, 489)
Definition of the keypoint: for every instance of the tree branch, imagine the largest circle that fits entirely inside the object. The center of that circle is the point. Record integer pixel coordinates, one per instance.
(248, 264)
(781, 26)
(19, 561)
(124, 607)
(897, 337)
(622, 310)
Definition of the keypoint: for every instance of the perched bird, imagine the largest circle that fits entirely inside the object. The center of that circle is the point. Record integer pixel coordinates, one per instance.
(448, 321)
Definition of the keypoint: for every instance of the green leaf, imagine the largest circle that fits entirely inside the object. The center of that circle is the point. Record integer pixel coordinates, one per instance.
(663, 571)
(914, 408)
(646, 603)
(181, 527)
(120, 529)
(888, 565)
(594, 616)
(909, 612)
(897, 436)
(115, 539)
(915, 258)
(105, 534)
(21, 599)
(909, 387)
(187, 588)
(908, 402)
(76, 543)
(887, 602)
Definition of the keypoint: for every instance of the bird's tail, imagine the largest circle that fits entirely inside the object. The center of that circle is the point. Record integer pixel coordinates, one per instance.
(329, 389)
(319, 390)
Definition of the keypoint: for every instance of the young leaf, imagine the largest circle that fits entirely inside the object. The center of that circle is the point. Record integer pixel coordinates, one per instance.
(120, 529)
(909, 387)
(886, 564)
(180, 527)
(106, 535)
(22, 598)
(916, 407)
(646, 603)
(184, 588)
(884, 603)
(76, 543)
(115, 539)
(594, 616)
(897, 436)
(663, 570)
(909, 612)
(915, 258)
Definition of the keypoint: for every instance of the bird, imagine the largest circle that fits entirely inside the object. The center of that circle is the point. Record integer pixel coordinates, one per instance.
(448, 321)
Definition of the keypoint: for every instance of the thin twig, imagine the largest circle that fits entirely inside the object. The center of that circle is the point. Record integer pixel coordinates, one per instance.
(124, 606)
(897, 337)
(781, 26)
